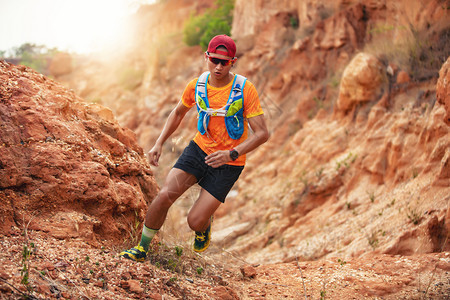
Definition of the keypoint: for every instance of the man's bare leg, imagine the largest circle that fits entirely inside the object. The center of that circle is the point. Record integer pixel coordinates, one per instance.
(202, 210)
(199, 219)
(177, 182)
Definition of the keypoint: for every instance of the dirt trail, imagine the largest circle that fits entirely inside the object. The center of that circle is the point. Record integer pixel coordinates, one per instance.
(73, 269)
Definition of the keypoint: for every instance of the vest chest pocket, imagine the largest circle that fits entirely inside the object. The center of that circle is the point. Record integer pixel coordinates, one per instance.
(234, 120)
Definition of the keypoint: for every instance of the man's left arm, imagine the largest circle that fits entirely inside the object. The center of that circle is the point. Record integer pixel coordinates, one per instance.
(260, 136)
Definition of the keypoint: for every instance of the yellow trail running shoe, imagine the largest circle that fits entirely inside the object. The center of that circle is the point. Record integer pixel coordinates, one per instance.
(202, 239)
(136, 253)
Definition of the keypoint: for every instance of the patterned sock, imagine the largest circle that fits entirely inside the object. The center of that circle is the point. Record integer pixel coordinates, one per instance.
(146, 237)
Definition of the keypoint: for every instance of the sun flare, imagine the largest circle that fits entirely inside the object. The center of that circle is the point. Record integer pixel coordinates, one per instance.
(73, 25)
(89, 25)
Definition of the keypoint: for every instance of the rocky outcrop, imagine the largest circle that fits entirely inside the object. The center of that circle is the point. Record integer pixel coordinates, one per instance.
(67, 167)
(361, 82)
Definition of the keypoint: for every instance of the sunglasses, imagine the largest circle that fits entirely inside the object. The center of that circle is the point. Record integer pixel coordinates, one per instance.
(216, 61)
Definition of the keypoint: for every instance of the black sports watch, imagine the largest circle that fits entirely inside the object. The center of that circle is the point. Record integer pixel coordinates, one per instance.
(234, 154)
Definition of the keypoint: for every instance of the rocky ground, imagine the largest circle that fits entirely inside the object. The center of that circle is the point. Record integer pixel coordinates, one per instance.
(37, 266)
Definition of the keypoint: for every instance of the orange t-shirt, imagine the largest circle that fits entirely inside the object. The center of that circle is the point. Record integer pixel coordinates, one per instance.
(218, 98)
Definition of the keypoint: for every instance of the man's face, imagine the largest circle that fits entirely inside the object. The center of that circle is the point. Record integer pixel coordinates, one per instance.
(216, 65)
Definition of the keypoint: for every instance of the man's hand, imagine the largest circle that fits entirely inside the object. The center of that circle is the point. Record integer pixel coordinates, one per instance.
(154, 154)
(218, 158)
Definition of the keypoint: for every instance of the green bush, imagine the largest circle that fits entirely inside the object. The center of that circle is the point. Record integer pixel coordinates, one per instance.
(194, 29)
(200, 29)
(34, 56)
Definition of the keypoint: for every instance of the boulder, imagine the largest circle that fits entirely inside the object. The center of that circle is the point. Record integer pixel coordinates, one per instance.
(362, 81)
(67, 167)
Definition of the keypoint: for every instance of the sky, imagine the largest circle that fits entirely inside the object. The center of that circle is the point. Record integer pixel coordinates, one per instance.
(82, 26)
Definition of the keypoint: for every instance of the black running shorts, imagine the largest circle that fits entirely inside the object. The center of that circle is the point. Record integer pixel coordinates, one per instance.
(217, 181)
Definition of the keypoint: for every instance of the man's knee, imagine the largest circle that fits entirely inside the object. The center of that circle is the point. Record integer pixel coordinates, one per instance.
(165, 198)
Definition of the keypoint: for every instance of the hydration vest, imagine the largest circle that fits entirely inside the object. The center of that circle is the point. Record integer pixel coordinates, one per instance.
(233, 111)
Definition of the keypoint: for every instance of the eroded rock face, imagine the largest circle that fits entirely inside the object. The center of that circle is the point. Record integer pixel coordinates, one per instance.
(383, 172)
(66, 167)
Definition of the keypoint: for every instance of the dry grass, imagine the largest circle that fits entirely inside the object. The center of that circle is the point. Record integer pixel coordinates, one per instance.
(419, 51)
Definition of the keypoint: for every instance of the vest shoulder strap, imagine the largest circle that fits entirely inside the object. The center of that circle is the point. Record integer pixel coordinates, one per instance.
(237, 91)
(201, 89)
(201, 93)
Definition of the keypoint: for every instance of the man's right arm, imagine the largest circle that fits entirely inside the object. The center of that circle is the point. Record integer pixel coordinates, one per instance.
(172, 123)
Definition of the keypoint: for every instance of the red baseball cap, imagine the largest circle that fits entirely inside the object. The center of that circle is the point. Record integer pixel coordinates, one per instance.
(225, 41)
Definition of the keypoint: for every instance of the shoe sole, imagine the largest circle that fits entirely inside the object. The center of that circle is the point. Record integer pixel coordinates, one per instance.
(131, 257)
(201, 250)
(204, 248)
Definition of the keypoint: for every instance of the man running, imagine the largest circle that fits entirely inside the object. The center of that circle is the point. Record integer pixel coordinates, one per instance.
(226, 103)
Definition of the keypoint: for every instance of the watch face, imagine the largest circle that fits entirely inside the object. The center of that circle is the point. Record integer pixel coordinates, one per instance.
(234, 154)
